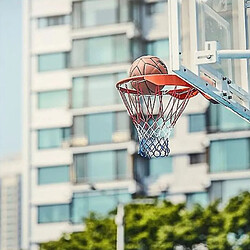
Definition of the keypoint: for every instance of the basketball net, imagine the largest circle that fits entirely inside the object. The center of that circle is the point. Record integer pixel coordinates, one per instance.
(154, 114)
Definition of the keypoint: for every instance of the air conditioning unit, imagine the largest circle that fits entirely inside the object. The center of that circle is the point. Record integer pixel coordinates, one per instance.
(79, 141)
(120, 136)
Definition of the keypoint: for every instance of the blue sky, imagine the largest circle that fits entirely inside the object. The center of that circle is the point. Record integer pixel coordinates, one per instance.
(10, 76)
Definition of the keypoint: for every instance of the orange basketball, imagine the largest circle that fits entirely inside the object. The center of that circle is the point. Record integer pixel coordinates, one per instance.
(147, 65)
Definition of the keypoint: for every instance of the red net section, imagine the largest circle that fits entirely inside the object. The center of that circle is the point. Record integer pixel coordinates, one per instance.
(154, 114)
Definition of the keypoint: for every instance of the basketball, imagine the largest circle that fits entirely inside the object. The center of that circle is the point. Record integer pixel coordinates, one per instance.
(147, 65)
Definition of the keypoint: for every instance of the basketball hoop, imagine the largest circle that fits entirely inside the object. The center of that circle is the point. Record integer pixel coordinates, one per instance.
(155, 114)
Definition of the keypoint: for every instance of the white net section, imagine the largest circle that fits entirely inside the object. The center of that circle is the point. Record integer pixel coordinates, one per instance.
(154, 115)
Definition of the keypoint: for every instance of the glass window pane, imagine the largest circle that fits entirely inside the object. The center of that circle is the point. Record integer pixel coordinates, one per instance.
(57, 174)
(230, 121)
(227, 189)
(215, 190)
(66, 133)
(53, 213)
(229, 155)
(53, 20)
(101, 166)
(96, 12)
(122, 121)
(121, 47)
(42, 22)
(77, 14)
(101, 90)
(100, 50)
(122, 169)
(197, 122)
(100, 127)
(124, 11)
(198, 198)
(159, 48)
(222, 119)
(80, 208)
(50, 138)
(232, 188)
(80, 164)
(78, 126)
(78, 53)
(53, 99)
(78, 93)
(54, 61)
(100, 12)
(159, 166)
(124, 198)
(102, 204)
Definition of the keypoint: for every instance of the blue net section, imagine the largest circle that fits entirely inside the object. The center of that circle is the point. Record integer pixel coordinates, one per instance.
(154, 147)
(153, 137)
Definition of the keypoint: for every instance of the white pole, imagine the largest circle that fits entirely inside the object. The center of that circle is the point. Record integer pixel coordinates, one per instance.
(233, 54)
(120, 227)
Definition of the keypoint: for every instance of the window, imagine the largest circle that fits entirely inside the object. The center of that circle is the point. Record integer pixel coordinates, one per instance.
(100, 127)
(53, 61)
(56, 174)
(157, 7)
(222, 119)
(230, 155)
(53, 213)
(53, 99)
(160, 166)
(53, 21)
(100, 202)
(52, 138)
(95, 90)
(197, 122)
(159, 48)
(200, 198)
(101, 166)
(227, 189)
(100, 50)
(99, 12)
(197, 158)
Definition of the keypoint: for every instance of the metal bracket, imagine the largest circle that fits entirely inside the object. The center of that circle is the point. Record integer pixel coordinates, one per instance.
(212, 54)
(209, 55)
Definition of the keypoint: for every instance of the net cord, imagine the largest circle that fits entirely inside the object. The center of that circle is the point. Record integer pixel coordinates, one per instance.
(154, 137)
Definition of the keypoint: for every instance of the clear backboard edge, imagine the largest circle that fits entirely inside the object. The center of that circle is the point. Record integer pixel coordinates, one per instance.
(208, 89)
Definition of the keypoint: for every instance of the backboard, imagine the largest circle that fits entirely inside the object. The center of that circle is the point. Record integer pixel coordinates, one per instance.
(209, 49)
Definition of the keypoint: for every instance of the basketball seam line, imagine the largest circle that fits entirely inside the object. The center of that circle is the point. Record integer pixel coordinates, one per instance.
(156, 65)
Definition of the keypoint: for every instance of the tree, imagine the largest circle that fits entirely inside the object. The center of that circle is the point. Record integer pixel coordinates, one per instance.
(163, 225)
(100, 234)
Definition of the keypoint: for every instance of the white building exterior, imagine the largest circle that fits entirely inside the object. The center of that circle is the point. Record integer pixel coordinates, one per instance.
(78, 144)
(10, 203)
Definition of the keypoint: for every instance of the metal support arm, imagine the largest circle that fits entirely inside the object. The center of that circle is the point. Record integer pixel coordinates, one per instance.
(212, 54)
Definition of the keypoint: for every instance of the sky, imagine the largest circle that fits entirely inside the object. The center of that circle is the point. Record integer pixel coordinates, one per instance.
(10, 76)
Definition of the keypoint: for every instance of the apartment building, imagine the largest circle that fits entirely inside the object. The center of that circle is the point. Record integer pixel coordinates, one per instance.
(10, 203)
(80, 148)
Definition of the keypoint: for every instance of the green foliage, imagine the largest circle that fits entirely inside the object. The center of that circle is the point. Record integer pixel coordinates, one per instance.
(100, 233)
(163, 225)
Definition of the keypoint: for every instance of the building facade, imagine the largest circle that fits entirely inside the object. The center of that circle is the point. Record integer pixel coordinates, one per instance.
(80, 149)
(10, 203)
